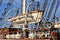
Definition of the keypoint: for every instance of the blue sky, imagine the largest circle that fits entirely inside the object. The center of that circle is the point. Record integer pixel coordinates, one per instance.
(49, 7)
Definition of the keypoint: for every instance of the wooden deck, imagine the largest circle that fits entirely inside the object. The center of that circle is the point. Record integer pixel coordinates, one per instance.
(24, 39)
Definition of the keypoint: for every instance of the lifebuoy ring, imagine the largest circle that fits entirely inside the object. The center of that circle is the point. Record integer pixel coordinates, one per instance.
(53, 33)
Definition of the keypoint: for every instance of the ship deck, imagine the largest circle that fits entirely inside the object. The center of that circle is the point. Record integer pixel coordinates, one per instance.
(24, 39)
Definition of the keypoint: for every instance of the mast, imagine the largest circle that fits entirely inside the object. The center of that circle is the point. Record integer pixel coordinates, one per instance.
(23, 6)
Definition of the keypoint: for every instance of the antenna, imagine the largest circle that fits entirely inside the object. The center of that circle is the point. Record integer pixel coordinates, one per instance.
(17, 12)
(37, 5)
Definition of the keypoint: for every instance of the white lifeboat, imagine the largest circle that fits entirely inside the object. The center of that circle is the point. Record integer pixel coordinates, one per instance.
(31, 35)
(7, 36)
(17, 36)
(32, 17)
(12, 36)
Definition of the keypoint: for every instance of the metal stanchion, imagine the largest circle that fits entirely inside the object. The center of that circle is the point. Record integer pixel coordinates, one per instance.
(36, 34)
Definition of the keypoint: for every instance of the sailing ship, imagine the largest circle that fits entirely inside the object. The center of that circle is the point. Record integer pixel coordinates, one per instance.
(42, 32)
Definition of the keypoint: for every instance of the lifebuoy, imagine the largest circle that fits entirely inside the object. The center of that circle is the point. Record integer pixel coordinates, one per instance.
(53, 33)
